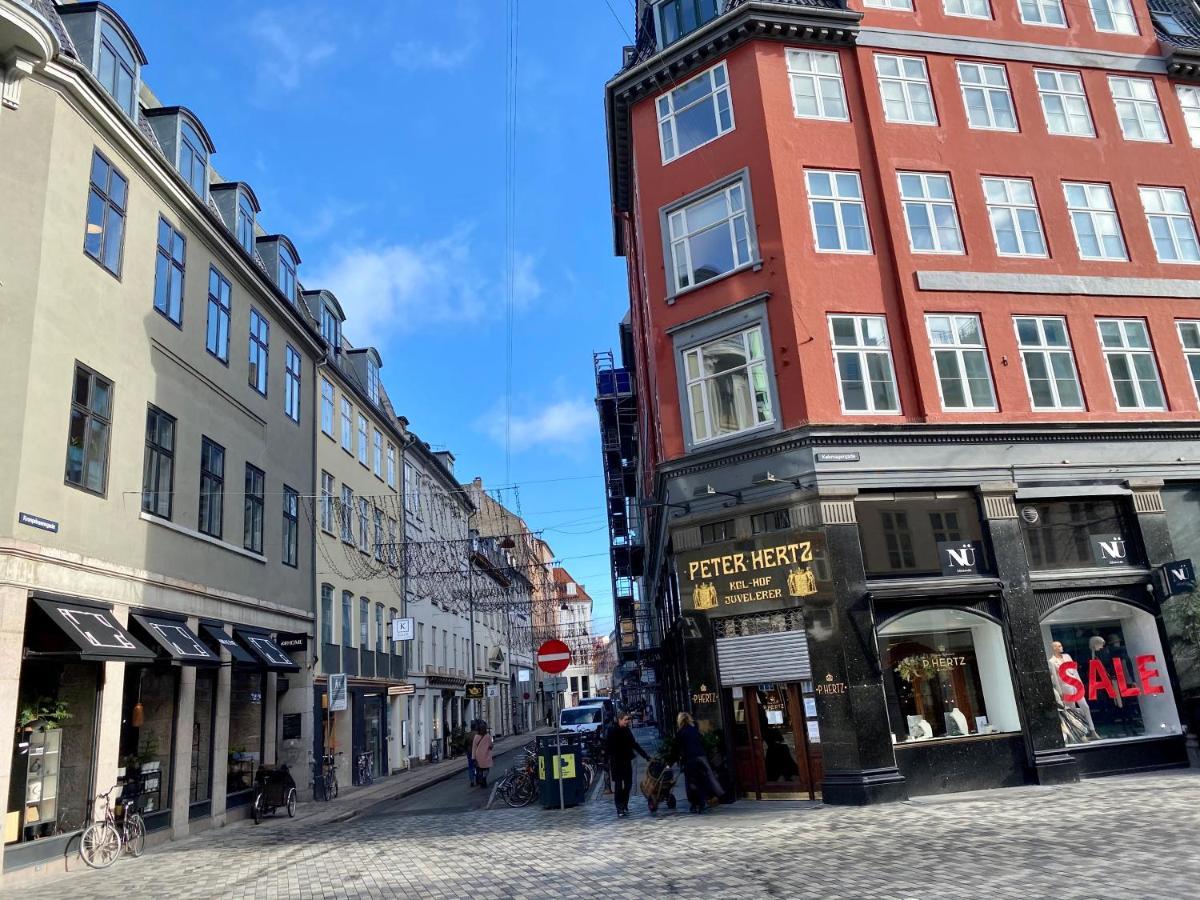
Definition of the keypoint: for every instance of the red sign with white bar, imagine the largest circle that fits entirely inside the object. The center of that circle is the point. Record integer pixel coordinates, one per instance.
(553, 657)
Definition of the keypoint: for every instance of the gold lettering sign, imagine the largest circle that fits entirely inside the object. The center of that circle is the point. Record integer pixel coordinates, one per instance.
(772, 571)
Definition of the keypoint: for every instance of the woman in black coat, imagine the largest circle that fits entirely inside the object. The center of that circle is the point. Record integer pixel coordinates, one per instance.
(699, 778)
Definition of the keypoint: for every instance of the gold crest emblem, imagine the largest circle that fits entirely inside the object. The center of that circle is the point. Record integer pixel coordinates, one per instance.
(801, 582)
(704, 596)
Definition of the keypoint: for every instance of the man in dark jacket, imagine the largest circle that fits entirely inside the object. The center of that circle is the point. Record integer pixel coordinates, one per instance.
(621, 745)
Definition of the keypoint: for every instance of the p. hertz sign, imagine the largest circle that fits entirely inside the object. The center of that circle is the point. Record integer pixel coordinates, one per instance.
(766, 572)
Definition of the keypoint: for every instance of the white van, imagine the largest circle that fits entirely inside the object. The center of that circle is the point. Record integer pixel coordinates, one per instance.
(610, 711)
(581, 719)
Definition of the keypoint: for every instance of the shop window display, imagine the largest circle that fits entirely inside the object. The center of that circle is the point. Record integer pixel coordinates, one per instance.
(948, 676)
(1181, 613)
(1109, 673)
(921, 533)
(147, 728)
(1072, 534)
(245, 730)
(202, 727)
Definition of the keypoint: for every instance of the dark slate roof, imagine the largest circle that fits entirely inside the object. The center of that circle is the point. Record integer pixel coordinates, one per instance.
(647, 40)
(1186, 14)
(48, 12)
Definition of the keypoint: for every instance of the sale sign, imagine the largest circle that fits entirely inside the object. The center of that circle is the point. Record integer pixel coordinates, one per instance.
(1114, 683)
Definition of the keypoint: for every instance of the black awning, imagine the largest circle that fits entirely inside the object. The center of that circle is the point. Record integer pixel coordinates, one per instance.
(218, 638)
(177, 641)
(269, 653)
(94, 632)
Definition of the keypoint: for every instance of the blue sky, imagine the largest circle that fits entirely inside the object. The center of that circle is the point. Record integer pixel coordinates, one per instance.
(373, 134)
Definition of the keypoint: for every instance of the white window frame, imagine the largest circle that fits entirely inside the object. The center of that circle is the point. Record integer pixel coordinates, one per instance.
(377, 453)
(907, 84)
(861, 350)
(702, 379)
(718, 84)
(736, 193)
(1118, 16)
(965, 12)
(1191, 349)
(1180, 225)
(1092, 212)
(958, 350)
(838, 202)
(992, 94)
(930, 204)
(364, 449)
(327, 421)
(1013, 208)
(1129, 352)
(899, 5)
(1146, 110)
(1189, 104)
(1066, 95)
(347, 426)
(818, 79)
(1042, 6)
(1046, 351)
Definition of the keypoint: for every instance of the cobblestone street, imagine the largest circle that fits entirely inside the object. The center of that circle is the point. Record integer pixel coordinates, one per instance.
(1115, 837)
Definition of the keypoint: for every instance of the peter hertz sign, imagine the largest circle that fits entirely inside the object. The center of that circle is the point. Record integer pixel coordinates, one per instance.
(766, 572)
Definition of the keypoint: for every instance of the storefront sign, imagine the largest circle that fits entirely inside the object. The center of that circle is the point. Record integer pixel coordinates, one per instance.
(959, 557)
(474, 690)
(1100, 680)
(704, 695)
(524, 674)
(402, 629)
(850, 456)
(493, 690)
(1110, 551)
(291, 726)
(37, 522)
(401, 690)
(292, 642)
(766, 572)
(1181, 577)
(337, 693)
(829, 686)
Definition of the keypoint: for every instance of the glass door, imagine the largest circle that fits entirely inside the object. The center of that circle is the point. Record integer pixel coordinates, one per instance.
(772, 742)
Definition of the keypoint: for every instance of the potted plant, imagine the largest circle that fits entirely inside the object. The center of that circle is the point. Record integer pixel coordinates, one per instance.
(47, 711)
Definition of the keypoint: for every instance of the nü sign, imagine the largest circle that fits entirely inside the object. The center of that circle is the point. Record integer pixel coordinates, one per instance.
(766, 572)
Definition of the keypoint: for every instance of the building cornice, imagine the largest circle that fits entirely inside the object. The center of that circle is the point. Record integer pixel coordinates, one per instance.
(755, 19)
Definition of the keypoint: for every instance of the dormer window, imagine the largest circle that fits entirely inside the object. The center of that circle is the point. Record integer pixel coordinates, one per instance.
(676, 18)
(287, 273)
(117, 67)
(373, 380)
(245, 222)
(193, 159)
(330, 327)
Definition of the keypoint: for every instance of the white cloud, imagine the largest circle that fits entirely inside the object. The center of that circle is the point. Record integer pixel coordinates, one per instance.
(419, 55)
(561, 425)
(393, 288)
(288, 47)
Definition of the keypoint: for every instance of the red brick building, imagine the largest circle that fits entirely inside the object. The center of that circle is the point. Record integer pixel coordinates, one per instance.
(911, 287)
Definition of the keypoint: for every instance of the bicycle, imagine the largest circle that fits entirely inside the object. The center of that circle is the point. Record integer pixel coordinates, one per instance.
(326, 778)
(364, 768)
(105, 839)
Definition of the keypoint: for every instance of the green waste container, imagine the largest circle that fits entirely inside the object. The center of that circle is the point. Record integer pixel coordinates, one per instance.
(571, 768)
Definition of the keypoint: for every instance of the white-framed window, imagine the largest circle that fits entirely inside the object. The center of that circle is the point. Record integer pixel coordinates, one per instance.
(1132, 370)
(675, 18)
(904, 86)
(696, 112)
(863, 358)
(839, 216)
(929, 213)
(363, 447)
(1170, 221)
(986, 96)
(710, 236)
(327, 407)
(1049, 363)
(1043, 12)
(377, 457)
(1189, 338)
(391, 465)
(1064, 103)
(727, 387)
(971, 9)
(1189, 102)
(346, 514)
(905, 5)
(960, 357)
(1137, 108)
(327, 516)
(1013, 213)
(817, 88)
(1094, 220)
(1113, 15)
(347, 426)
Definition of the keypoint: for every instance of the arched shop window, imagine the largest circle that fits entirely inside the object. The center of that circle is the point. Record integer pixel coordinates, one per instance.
(946, 674)
(1109, 673)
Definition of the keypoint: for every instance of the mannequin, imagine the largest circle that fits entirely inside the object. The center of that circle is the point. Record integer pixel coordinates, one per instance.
(1075, 717)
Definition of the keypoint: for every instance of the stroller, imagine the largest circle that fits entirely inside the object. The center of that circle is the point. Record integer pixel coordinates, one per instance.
(657, 784)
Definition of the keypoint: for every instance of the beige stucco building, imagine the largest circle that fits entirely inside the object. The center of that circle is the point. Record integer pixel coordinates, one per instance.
(159, 391)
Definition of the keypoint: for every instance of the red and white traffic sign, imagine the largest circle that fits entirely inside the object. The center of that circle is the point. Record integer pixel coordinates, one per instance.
(553, 657)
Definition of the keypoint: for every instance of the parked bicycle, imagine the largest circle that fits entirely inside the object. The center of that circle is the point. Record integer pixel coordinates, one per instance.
(364, 767)
(325, 784)
(113, 832)
(273, 788)
(519, 786)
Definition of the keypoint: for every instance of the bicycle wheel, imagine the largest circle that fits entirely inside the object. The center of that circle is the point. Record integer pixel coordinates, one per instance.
(331, 788)
(291, 803)
(100, 845)
(135, 835)
(258, 808)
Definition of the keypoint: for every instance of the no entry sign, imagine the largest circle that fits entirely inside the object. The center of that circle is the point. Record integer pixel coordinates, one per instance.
(553, 657)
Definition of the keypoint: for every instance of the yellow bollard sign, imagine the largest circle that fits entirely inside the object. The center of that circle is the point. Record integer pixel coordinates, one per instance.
(567, 765)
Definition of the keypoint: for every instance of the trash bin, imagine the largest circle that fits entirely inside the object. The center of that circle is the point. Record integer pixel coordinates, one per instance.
(572, 770)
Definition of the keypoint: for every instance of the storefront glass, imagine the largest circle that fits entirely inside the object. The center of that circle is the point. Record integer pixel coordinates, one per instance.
(921, 533)
(245, 729)
(1083, 533)
(1109, 672)
(50, 789)
(1181, 612)
(948, 676)
(202, 727)
(147, 731)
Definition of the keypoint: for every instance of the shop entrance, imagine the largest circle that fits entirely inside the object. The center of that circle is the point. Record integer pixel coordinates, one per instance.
(776, 741)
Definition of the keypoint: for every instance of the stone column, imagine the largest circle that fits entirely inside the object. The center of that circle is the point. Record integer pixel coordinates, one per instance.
(1047, 756)
(270, 718)
(181, 764)
(13, 603)
(220, 752)
(856, 742)
(108, 726)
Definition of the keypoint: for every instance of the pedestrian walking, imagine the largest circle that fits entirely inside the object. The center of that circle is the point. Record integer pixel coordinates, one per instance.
(481, 750)
(621, 745)
(700, 780)
(472, 769)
